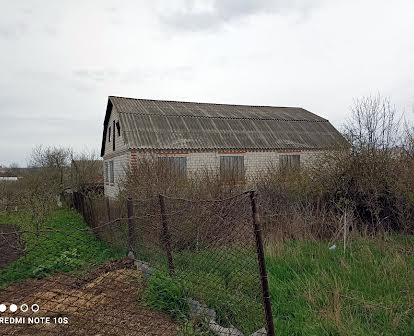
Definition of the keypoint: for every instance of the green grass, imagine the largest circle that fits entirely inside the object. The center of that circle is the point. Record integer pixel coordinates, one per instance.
(225, 280)
(67, 246)
(369, 290)
(168, 295)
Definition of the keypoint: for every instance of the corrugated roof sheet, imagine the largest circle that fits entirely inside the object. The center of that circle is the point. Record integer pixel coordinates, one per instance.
(156, 124)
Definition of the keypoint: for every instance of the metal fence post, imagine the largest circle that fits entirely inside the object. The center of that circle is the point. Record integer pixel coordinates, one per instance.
(166, 237)
(262, 266)
(131, 227)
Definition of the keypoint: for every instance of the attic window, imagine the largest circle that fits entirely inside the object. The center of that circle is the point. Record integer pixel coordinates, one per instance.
(109, 134)
(118, 128)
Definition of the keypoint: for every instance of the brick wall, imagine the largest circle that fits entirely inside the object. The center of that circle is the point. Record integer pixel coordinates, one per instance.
(255, 163)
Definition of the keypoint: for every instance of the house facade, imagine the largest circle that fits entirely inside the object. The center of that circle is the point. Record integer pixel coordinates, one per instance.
(190, 137)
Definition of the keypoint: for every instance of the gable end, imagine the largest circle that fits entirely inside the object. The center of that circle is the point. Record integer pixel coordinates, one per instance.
(105, 125)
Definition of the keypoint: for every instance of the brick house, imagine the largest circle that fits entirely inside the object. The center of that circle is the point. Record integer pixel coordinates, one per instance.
(192, 136)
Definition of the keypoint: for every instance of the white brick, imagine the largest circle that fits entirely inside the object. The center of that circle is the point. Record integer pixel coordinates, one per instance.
(255, 163)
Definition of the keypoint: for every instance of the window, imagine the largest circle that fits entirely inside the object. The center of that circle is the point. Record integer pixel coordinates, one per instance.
(109, 134)
(113, 136)
(118, 128)
(106, 172)
(174, 165)
(232, 168)
(111, 172)
(289, 162)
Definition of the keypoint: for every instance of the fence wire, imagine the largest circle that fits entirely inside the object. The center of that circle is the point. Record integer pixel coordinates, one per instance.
(188, 260)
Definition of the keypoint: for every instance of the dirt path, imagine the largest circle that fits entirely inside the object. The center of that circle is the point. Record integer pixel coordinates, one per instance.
(11, 246)
(104, 302)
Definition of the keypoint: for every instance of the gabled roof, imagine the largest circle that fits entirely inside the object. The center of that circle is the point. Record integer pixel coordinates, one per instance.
(159, 124)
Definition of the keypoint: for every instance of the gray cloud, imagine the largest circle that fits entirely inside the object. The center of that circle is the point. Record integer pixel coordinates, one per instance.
(61, 60)
(15, 24)
(192, 18)
(14, 30)
(96, 75)
(18, 22)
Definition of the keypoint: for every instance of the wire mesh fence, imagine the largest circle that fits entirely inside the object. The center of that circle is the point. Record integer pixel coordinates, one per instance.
(64, 280)
(188, 260)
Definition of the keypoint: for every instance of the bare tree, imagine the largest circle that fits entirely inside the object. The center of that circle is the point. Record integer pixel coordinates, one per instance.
(41, 187)
(39, 196)
(14, 165)
(374, 124)
(55, 160)
(408, 139)
(86, 168)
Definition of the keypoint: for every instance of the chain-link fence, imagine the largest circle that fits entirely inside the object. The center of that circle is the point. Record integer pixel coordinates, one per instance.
(190, 262)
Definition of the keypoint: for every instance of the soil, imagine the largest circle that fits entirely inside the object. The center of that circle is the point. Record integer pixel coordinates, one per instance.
(11, 246)
(106, 301)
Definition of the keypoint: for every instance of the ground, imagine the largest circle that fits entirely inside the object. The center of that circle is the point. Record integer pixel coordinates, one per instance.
(368, 289)
(11, 246)
(102, 302)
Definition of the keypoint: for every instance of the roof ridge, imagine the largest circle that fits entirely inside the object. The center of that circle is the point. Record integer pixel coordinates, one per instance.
(218, 117)
(204, 103)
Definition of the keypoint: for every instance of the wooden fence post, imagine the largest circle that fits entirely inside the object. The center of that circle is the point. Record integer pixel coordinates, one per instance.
(262, 266)
(166, 237)
(82, 204)
(131, 226)
(75, 200)
(92, 212)
(108, 208)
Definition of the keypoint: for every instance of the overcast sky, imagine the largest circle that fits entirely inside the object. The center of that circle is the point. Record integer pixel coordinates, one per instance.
(61, 59)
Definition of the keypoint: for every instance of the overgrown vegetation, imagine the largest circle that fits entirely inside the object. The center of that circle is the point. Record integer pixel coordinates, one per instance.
(369, 290)
(168, 295)
(40, 188)
(64, 245)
